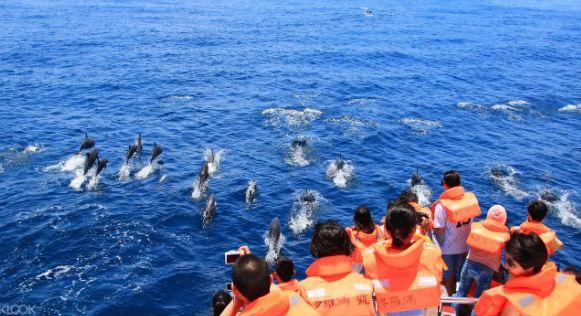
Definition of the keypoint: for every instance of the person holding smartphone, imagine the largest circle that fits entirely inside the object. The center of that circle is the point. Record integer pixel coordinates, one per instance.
(255, 294)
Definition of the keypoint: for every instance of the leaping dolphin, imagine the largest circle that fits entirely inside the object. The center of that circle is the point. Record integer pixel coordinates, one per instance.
(138, 143)
(209, 211)
(274, 237)
(308, 197)
(101, 164)
(415, 179)
(87, 143)
(155, 152)
(299, 142)
(131, 151)
(90, 159)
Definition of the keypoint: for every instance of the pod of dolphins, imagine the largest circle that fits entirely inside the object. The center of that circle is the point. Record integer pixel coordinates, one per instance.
(308, 197)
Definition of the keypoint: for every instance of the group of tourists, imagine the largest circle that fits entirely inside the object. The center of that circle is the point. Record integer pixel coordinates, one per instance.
(408, 263)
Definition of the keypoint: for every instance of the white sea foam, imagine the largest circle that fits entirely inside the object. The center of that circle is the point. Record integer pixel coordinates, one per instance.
(571, 108)
(562, 207)
(146, 171)
(505, 177)
(298, 157)
(124, 172)
(341, 176)
(277, 116)
(274, 248)
(72, 163)
(198, 190)
(34, 148)
(303, 212)
(423, 192)
(54, 273)
(214, 159)
(78, 180)
(517, 103)
(94, 182)
(421, 126)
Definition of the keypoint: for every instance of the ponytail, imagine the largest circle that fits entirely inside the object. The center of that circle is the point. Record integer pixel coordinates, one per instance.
(401, 222)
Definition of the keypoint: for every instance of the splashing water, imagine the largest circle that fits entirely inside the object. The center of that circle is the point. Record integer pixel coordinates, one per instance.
(421, 126)
(146, 171)
(214, 159)
(94, 182)
(199, 190)
(273, 247)
(277, 116)
(78, 180)
(298, 157)
(34, 148)
(571, 108)
(124, 172)
(505, 177)
(53, 273)
(424, 194)
(302, 213)
(565, 209)
(341, 176)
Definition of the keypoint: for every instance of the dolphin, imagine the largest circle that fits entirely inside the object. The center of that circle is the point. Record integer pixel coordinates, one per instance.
(101, 164)
(203, 175)
(549, 196)
(415, 179)
(274, 237)
(340, 163)
(87, 143)
(155, 152)
(299, 142)
(90, 160)
(308, 197)
(274, 231)
(209, 210)
(251, 191)
(499, 172)
(138, 143)
(131, 151)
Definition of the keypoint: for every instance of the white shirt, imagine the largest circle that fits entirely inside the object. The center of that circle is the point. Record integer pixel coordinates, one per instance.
(454, 240)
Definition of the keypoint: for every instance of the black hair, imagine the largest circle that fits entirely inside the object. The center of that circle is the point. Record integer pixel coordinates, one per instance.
(285, 268)
(408, 196)
(528, 250)
(391, 204)
(330, 239)
(219, 302)
(451, 178)
(574, 271)
(363, 220)
(400, 222)
(251, 276)
(537, 210)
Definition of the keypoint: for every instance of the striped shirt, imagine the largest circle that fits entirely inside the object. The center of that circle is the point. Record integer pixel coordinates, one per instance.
(454, 240)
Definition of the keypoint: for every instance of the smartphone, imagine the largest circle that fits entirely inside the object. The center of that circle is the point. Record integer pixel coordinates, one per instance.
(230, 257)
(229, 286)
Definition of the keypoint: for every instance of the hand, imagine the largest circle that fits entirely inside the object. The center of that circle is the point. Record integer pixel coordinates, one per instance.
(244, 250)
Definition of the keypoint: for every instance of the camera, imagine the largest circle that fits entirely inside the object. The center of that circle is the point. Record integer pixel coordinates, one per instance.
(230, 257)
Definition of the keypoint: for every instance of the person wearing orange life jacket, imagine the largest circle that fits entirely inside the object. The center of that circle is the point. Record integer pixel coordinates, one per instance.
(251, 287)
(453, 213)
(537, 211)
(426, 225)
(486, 241)
(364, 234)
(284, 273)
(331, 286)
(535, 287)
(405, 272)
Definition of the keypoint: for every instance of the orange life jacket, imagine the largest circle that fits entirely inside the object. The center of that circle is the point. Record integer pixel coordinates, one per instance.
(404, 280)
(362, 240)
(292, 286)
(332, 288)
(488, 235)
(278, 303)
(548, 236)
(460, 206)
(545, 293)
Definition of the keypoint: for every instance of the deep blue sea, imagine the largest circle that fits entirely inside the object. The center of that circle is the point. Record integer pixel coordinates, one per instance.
(488, 88)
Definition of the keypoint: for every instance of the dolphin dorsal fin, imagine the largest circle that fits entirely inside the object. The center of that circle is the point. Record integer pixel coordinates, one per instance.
(86, 136)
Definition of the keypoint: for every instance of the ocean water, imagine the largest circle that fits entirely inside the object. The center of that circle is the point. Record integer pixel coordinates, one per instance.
(485, 87)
